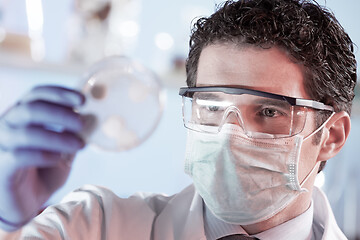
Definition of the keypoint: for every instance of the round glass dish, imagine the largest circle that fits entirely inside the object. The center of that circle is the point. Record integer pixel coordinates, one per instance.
(124, 103)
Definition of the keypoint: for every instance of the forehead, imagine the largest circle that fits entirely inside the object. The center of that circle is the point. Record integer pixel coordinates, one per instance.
(269, 70)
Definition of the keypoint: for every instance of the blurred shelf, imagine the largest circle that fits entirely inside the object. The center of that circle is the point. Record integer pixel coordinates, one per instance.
(11, 60)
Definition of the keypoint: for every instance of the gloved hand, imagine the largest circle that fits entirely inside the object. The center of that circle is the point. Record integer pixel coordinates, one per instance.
(38, 141)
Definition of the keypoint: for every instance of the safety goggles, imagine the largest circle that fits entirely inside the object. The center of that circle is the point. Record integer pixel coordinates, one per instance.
(260, 114)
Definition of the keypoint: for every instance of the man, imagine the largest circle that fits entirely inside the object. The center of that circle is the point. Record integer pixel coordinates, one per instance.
(270, 90)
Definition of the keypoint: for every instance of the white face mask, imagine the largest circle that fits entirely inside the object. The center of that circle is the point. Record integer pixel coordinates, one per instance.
(243, 180)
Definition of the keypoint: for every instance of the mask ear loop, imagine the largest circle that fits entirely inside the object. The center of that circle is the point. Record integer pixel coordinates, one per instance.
(319, 128)
(317, 163)
(308, 176)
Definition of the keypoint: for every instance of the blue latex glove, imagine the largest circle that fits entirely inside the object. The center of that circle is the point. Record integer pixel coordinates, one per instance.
(38, 141)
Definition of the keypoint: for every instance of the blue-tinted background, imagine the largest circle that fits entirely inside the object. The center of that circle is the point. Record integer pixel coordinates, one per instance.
(156, 165)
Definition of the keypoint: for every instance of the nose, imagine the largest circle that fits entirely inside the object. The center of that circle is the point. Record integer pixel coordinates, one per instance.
(233, 116)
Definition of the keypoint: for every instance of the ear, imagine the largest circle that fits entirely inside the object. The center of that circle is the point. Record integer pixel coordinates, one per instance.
(334, 136)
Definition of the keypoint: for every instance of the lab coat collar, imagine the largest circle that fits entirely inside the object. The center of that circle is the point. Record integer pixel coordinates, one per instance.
(186, 211)
(182, 218)
(324, 219)
(194, 227)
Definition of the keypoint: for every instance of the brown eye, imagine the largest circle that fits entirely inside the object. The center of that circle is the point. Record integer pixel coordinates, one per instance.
(268, 112)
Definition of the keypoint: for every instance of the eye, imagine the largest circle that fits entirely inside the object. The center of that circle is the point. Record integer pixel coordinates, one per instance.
(213, 108)
(269, 112)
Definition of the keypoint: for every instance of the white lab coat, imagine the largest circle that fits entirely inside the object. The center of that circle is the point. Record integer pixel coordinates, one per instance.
(97, 213)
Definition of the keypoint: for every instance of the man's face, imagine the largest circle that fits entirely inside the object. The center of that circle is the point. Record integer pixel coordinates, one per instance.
(268, 70)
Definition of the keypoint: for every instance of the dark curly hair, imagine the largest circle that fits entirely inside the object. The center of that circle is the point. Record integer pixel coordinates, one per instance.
(309, 33)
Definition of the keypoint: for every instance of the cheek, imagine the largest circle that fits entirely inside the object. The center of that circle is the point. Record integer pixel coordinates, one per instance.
(308, 157)
(309, 151)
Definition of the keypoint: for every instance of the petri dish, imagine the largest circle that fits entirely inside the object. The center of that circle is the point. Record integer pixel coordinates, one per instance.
(124, 103)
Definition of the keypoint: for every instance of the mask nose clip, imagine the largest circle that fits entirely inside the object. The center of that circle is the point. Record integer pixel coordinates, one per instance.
(232, 115)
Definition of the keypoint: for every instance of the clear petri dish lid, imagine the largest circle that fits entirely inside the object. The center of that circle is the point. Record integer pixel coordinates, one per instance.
(124, 103)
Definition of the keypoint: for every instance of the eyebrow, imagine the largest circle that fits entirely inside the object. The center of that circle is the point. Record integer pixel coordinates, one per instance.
(207, 96)
(260, 101)
(272, 102)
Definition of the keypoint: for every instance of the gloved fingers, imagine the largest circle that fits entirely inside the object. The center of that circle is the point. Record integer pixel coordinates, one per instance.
(55, 94)
(27, 157)
(55, 177)
(36, 137)
(44, 113)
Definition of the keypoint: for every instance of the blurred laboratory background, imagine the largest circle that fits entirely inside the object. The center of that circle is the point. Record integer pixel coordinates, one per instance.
(55, 42)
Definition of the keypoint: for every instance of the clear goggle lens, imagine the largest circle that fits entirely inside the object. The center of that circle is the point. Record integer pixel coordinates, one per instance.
(259, 117)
